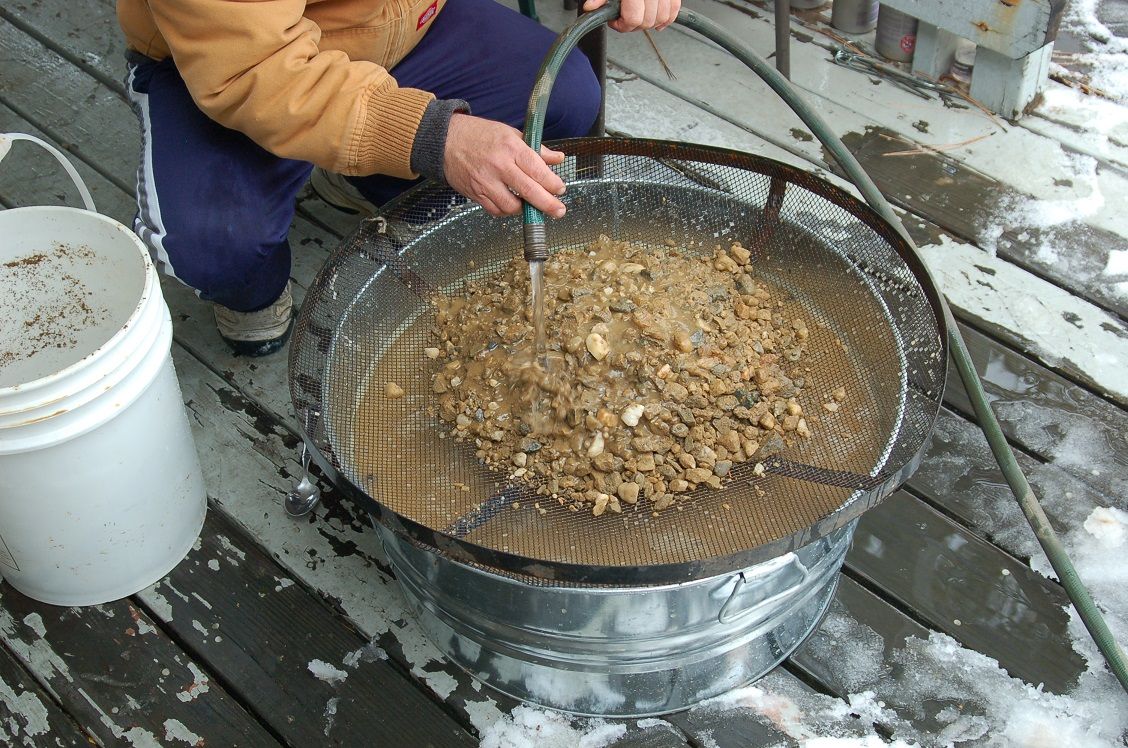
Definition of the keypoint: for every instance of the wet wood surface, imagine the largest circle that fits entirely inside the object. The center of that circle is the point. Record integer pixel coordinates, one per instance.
(29, 716)
(946, 556)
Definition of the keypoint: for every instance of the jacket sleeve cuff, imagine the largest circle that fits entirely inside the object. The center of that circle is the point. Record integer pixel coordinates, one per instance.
(386, 133)
(430, 139)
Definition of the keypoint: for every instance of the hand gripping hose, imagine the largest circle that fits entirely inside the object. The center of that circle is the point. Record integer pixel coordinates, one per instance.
(536, 250)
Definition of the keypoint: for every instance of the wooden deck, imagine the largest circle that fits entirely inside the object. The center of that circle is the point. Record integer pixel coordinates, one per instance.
(275, 631)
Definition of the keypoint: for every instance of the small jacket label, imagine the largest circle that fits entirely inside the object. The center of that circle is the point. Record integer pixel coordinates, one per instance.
(427, 15)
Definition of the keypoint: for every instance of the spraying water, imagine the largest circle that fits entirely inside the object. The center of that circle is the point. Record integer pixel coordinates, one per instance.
(540, 347)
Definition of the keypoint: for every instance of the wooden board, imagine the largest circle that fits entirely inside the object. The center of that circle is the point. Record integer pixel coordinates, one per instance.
(116, 672)
(960, 584)
(960, 477)
(28, 715)
(302, 670)
(967, 203)
(1048, 415)
(251, 462)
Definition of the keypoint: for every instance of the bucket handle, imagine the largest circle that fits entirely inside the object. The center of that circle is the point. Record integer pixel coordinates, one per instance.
(6, 140)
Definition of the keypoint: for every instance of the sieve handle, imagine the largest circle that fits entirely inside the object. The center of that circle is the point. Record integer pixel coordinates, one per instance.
(6, 140)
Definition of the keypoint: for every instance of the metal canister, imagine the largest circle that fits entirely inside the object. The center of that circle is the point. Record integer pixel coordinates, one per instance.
(896, 34)
(854, 16)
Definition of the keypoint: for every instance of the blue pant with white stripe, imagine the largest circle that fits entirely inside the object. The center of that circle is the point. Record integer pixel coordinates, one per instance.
(215, 208)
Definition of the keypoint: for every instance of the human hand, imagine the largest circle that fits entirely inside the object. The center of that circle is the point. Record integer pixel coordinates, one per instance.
(635, 15)
(488, 162)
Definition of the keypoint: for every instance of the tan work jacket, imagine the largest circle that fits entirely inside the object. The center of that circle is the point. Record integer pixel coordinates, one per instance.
(305, 79)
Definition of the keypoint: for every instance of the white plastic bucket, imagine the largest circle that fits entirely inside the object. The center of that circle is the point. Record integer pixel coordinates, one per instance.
(101, 492)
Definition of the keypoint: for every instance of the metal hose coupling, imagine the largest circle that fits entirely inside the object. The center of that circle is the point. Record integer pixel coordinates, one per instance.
(536, 248)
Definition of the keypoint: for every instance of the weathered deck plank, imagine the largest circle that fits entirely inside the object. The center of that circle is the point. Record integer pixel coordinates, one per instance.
(959, 475)
(1048, 415)
(968, 204)
(853, 648)
(961, 585)
(121, 677)
(302, 669)
(844, 95)
(28, 715)
(251, 464)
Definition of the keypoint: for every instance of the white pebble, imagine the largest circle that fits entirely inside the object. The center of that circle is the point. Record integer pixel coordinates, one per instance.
(631, 414)
(596, 448)
(597, 346)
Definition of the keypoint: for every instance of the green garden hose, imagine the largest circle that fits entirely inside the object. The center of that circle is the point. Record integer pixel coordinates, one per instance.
(536, 250)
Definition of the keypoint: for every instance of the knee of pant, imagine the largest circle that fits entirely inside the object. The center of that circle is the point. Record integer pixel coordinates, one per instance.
(575, 100)
(224, 261)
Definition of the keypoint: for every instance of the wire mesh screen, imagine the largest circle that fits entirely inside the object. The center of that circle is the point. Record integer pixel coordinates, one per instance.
(876, 332)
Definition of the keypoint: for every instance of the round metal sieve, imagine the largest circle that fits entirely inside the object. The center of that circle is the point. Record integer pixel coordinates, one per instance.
(877, 331)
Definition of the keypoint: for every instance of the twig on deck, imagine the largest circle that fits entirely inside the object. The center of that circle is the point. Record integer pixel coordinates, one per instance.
(838, 38)
(661, 59)
(921, 148)
(957, 90)
(1081, 86)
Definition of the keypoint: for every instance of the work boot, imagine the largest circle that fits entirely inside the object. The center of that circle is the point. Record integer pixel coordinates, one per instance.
(335, 190)
(256, 333)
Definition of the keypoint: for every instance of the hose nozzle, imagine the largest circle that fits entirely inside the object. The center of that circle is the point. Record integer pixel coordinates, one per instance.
(536, 248)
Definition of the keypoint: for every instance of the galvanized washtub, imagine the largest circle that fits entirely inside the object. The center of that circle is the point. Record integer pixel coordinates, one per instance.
(618, 651)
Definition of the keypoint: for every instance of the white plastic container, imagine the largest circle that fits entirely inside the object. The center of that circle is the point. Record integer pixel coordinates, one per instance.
(101, 492)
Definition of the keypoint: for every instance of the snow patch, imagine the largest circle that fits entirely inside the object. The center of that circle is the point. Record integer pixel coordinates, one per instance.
(330, 713)
(1082, 445)
(1086, 198)
(1108, 60)
(324, 671)
(527, 727)
(370, 652)
(213, 564)
(283, 583)
(1097, 547)
(1109, 526)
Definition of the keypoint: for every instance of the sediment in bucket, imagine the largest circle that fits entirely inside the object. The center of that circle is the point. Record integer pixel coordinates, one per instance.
(103, 492)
